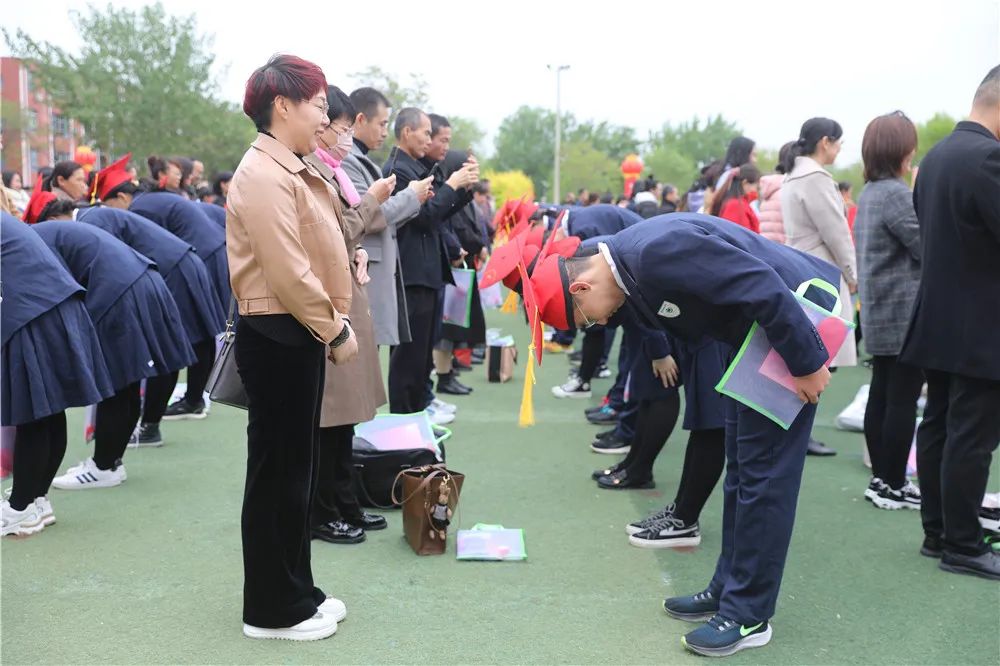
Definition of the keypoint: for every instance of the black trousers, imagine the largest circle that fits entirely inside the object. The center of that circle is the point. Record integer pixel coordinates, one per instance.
(284, 387)
(955, 445)
(39, 448)
(116, 419)
(335, 499)
(159, 389)
(655, 422)
(890, 417)
(704, 461)
(410, 363)
(592, 352)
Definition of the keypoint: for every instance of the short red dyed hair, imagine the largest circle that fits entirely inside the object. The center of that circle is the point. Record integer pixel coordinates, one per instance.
(285, 75)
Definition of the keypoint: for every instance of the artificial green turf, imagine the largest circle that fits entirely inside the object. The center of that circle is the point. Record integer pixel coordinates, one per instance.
(151, 571)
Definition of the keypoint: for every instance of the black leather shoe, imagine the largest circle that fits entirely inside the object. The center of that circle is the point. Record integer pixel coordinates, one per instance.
(819, 449)
(931, 548)
(986, 565)
(370, 522)
(607, 471)
(338, 532)
(621, 480)
(462, 386)
(448, 385)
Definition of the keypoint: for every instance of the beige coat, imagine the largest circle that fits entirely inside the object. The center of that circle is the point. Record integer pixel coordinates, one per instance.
(354, 391)
(815, 221)
(286, 250)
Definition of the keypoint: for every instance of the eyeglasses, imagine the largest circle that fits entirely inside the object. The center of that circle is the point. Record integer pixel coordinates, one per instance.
(587, 323)
(325, 108)
(341, 131)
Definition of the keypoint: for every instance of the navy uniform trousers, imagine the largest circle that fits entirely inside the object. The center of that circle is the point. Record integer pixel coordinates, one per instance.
(761, 489)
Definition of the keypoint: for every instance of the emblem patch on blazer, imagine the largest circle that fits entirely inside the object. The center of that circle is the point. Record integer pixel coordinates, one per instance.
(669, 310)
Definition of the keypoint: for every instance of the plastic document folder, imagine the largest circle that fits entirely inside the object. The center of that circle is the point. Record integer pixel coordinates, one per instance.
(492, 543)
(458, 298)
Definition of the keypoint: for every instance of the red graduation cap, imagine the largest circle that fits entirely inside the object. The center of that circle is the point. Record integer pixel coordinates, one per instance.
(565, 248)
(502, 262)
(110, 177)
(37, 203)
(529, 256)
(550, 288)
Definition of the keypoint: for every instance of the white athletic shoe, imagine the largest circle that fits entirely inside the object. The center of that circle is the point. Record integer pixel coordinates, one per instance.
(334, 607)
(439, 417)
(20, 523)
(87, 475)
(318, 627)
(442, 406)
(573, 388)
(45, 510)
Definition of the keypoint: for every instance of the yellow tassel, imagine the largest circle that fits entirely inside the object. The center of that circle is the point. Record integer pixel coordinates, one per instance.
(527, 416)
(510, 305)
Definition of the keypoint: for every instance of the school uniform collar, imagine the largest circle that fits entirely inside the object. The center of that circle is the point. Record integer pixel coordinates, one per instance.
(972, 126)
(606, 253)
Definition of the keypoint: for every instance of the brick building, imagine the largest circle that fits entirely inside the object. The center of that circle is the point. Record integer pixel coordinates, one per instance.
(35, 134)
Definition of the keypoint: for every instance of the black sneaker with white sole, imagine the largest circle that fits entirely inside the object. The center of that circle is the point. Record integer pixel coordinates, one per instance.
(182, 409)
(989, 518)
(611, 445)
(721, 637)
(667, 533)
(146, 434)
(874, 486)
(650, 520)
(907, 497)
(693, 607)
(573, 388)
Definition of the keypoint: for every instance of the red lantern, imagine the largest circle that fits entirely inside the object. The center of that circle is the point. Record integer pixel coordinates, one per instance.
(631, 170)
(86, 158)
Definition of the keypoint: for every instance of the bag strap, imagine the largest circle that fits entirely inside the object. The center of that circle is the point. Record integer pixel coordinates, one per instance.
(367, 496)
(232, 314)
(435, 470)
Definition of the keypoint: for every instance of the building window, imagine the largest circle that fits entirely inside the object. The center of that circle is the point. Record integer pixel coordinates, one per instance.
(33, 162)
(32, 120)
(62, 156)
(60, 125)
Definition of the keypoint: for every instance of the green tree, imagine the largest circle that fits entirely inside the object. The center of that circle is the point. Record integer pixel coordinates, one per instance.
(143, 82)
(931, 131)
(614, 140)
(700, 142)
(526, 141)
(399, 93)
(466, 134)
(671, 166)
(583, 165)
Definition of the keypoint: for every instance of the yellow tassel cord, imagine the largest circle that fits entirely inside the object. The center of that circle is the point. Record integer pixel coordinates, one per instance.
(510, 305)
(527, 416)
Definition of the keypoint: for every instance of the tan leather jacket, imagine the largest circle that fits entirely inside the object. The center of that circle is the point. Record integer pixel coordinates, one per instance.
(286, 250)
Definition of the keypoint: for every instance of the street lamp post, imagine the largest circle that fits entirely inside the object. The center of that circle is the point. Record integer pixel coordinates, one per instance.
(558, 69)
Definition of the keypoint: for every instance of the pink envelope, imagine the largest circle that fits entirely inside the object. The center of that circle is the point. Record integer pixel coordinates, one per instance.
(833, 333)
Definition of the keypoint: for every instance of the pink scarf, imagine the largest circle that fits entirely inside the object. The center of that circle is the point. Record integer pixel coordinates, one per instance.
(346, 186)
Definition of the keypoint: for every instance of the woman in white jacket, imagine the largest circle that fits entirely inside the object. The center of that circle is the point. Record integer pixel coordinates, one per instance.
(815, 219)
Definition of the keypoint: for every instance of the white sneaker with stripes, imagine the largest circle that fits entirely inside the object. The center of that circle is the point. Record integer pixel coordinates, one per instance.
(87, 475)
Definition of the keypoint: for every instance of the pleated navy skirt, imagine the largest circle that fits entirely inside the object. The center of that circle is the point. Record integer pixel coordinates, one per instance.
(702, 366)
(217, 264)
(643, 384)
(142, 334)
(196, 299)
(52, 363)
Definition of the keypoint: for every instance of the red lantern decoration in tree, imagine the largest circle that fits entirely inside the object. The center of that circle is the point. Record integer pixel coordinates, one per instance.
(631, 170)
(86, 158)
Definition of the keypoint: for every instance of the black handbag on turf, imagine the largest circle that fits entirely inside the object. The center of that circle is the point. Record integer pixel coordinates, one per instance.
(375, 471)
(224, 383)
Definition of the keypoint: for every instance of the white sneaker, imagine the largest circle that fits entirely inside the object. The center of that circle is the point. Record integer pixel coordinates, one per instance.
(20, 523)
(439, 417)
(318, 627)
(442, 406)
(87, 475)
(334, 607)
(573, 388)
(45, 510)
(852, 417)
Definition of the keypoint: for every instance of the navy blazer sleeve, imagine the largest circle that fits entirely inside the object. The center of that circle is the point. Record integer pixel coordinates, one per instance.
(722, 274)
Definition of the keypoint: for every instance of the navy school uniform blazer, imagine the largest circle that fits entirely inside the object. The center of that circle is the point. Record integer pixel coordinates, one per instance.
(183, 218)
(600, 220)
(138, 233)
(695, 275)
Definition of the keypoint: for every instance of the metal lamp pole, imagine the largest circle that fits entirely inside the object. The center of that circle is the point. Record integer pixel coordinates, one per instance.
(558, 69)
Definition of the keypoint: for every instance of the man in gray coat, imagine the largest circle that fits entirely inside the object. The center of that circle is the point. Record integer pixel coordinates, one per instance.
(386, 295)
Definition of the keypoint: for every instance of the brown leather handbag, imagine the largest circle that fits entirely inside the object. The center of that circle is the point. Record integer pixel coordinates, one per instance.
(429, 498)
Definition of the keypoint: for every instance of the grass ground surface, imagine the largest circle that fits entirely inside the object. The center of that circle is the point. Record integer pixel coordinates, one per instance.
(151, 571)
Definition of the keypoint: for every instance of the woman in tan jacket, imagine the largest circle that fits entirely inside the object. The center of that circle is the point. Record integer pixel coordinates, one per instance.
(815, 221)
(355, 391)
(291, 278)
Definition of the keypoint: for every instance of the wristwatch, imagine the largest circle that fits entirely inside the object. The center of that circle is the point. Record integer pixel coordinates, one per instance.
(342, 336)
